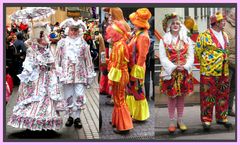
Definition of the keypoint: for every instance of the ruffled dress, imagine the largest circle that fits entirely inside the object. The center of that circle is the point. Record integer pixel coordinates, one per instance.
(39, 96)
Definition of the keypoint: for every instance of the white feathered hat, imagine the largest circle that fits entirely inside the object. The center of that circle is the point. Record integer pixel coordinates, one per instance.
(70, 22)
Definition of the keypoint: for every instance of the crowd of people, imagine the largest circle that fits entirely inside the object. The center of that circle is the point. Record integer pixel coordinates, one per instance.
(52, 67)
(18, 33)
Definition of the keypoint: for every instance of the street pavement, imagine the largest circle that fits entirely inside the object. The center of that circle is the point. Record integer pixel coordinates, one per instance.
(195, 131)
(141, 130)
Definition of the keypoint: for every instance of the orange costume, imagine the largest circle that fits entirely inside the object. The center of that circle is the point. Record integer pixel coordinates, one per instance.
(138, 48)
(118, 76)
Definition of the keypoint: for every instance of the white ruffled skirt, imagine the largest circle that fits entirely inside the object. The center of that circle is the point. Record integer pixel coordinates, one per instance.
(39, 104)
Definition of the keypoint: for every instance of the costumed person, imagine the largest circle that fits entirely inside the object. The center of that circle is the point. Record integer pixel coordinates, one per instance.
(39, 97)
(76, 21)
(212, 49)
(77, 70)
(138, 49)
(230, 30)
(176, 55)
(118, 76)
(115, 14)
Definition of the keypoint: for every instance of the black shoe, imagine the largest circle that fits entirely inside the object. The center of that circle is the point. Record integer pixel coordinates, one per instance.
(77, 123)
(225, 124)
(206, 126)
(69, 122)
(120, 132)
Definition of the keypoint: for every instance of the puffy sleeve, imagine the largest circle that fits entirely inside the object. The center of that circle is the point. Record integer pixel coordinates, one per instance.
(59, 56)
(117, 56)
(88, 62)
(190, 57)
(168, 66)
(30, 68)
(142, 44)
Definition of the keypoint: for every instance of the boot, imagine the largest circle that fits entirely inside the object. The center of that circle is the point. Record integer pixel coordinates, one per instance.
(77, 123)
(69, 122)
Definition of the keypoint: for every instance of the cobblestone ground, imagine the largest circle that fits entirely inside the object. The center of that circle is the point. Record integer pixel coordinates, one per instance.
(141, 130)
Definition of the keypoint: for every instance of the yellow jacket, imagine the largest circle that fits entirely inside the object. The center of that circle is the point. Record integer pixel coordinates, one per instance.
(214, 60)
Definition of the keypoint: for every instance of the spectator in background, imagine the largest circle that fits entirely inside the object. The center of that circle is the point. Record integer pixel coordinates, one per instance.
(230, 30)
(10, 58)
(56, 26)
(149, 74)
(20, 54)
(14, 26)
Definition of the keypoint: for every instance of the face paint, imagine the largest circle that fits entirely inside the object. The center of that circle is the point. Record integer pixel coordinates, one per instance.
(175, 26)
(73, 33)
(221, 24)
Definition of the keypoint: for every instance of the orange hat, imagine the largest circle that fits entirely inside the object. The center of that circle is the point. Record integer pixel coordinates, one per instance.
(140, 18)
(189, 23)
(217, 17)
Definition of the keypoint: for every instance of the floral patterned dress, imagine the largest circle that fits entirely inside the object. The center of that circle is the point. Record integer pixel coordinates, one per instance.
(174, 83)
(39, 97)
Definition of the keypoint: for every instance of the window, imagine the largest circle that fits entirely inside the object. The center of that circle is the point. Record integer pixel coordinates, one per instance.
(195, 13)
(186, 12)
